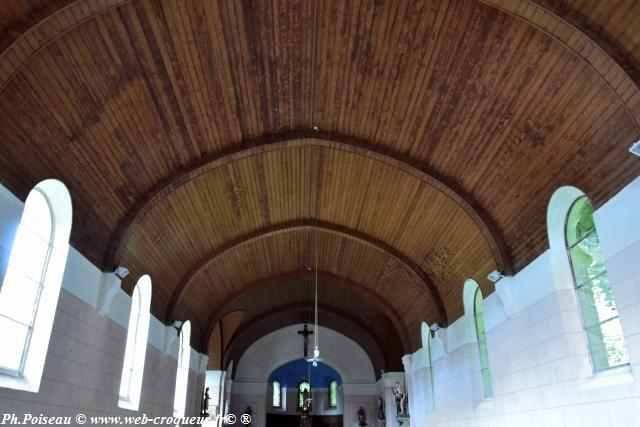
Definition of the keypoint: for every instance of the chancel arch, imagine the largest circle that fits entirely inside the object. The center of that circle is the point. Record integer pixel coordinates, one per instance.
(294, 289)
(251, 380)
(375, 343)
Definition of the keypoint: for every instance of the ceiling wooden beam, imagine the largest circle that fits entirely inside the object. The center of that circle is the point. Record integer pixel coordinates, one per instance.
(301, 138)
(404, 260)
(232, 302)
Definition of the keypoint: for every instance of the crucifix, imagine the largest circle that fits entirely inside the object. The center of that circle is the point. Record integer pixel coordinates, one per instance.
(306, 332)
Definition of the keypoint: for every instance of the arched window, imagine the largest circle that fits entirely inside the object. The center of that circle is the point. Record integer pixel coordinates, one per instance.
(182, 376)
(31, 286)
(277, 394)
(333, 394)
(599, 312)
(475, 330)
(136, 346)
(482, 343)
(426, 345)
(304, 392)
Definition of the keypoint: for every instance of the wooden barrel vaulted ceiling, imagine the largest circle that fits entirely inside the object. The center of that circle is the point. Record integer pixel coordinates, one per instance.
(186, 133)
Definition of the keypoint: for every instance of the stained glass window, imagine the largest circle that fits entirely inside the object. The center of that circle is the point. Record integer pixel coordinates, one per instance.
(333, 393)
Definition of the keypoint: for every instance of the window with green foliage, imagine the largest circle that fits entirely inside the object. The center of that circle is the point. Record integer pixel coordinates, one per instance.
(304, 392)
(333, 394)
(482, 344)
(277, 402)
(599, 313)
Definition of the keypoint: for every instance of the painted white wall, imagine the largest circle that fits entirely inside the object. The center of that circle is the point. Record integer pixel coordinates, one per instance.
(540, 366)
(86, 351)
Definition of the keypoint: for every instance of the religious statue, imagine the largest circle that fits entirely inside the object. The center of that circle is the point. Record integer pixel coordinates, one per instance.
(362, 418)
(381, 416)
(401, 399)
(306, 400)
(305, 419)
(205, 404)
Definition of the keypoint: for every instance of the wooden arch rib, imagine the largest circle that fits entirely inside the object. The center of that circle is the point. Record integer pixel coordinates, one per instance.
(593, 52)
(232, 301)
(342, 231)
(277, 319)
(48, 30)
(492, 235)
(584, 45)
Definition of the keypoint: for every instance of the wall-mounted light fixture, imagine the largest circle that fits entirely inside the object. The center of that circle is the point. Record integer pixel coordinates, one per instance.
(121, 272)
(495, 275)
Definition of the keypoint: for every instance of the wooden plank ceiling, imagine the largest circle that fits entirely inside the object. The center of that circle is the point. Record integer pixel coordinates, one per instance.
(185, 133)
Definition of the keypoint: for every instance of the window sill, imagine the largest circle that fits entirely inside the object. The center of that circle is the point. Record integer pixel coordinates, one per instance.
(486, 405)
(16, 382)
(612, 377)
(127, 404)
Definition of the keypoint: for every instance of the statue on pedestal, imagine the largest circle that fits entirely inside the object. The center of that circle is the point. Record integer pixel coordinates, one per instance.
(362, 418)
(205, 404)
(401, 399)
(305, 419)
(381, 416)
(401, 405)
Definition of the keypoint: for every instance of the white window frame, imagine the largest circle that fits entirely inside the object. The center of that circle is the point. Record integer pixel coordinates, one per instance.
(425, 333)
(470, 291)
(578, 286)
(182, 372)
(136, 346)
(273, 397)
(29, 375)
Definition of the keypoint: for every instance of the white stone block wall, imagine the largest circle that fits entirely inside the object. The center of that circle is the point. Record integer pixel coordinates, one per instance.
(86, 350)
(83, 367)
(541, 372)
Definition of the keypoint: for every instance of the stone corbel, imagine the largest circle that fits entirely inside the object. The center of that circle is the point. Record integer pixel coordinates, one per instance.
(170, 341)
(204, 361)
(109, 287)
(439, 344)
(505, 294)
